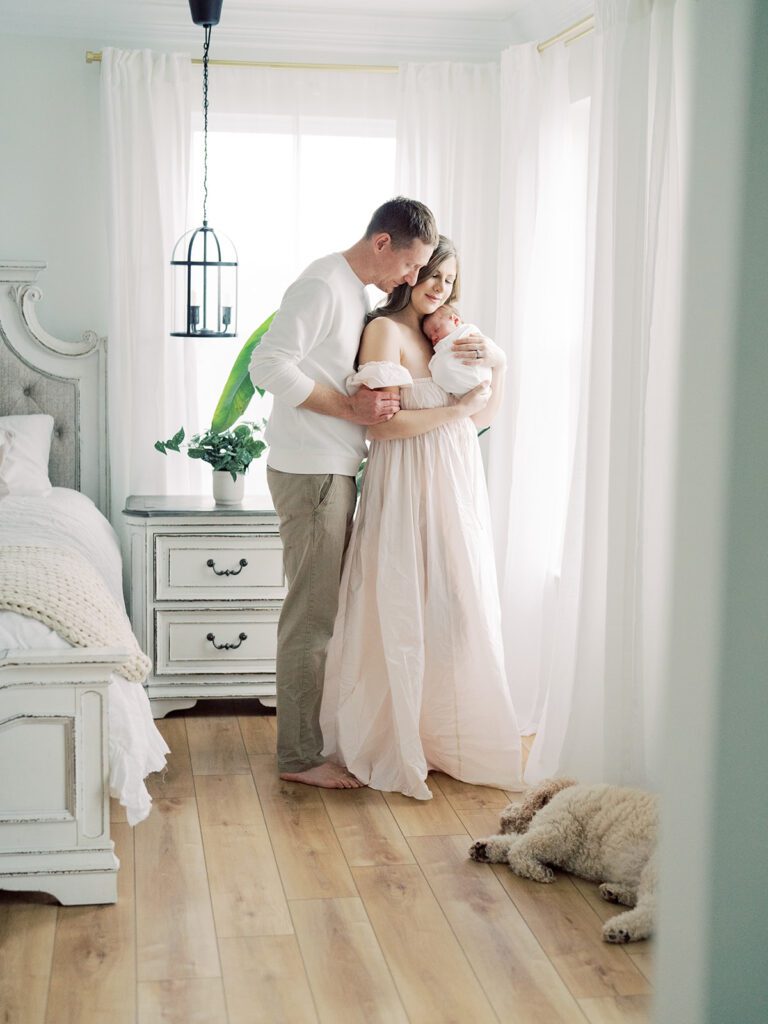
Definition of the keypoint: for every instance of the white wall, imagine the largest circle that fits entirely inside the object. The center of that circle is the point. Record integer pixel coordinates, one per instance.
(51, 189)
(713, 928)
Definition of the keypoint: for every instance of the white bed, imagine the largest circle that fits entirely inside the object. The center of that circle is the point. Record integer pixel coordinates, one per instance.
(135, 747)
(72, 729)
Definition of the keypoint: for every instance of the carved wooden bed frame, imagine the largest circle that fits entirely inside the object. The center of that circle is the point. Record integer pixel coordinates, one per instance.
(54, 772)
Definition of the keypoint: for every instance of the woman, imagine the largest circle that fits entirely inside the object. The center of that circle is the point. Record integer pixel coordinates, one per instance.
(415, 672)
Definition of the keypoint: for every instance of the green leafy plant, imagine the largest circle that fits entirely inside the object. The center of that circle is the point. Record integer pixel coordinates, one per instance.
(360, 474)
(230, 451)
(239, 389)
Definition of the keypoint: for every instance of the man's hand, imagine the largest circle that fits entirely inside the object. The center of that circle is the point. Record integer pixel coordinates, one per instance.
(370, 407)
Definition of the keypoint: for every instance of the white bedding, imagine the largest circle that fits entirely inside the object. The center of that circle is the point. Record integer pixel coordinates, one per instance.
(66, 517)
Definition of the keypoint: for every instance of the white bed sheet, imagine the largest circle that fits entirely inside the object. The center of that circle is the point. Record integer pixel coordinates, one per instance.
(67, 517)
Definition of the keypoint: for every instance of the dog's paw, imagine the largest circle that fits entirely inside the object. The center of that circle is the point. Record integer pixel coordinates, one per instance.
(607, 893)
(479, 851)
(528, 867)
(492, 850)
(513, 820)
(633, 926)
(616, 933)
(613, 892)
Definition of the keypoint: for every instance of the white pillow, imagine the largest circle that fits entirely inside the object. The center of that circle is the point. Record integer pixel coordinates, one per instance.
(25, 444)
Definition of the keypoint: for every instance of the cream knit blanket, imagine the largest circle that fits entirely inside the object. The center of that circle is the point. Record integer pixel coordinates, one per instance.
(60, 588)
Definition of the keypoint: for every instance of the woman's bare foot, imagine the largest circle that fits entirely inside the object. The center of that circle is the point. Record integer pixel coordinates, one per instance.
(327, 775)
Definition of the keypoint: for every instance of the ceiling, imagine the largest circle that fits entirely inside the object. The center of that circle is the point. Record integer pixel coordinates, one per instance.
(365, 31)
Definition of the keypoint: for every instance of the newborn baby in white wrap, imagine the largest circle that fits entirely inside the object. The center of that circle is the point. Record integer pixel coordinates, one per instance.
(443, 327)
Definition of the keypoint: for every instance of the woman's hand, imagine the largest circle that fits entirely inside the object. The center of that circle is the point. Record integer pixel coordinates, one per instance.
(477, 350)
(475, 400)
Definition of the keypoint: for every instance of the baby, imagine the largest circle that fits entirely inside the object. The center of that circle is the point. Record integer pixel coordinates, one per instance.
(443, 327)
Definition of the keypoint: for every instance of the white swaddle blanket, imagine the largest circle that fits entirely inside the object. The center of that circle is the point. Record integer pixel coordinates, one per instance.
(451, 373)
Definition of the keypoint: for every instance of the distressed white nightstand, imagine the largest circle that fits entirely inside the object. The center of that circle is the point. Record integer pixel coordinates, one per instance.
(207, 585)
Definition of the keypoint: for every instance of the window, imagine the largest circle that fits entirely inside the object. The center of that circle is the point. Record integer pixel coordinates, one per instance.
(284, 197)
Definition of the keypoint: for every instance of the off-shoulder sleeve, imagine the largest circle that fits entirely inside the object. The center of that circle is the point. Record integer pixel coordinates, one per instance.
(379, 375)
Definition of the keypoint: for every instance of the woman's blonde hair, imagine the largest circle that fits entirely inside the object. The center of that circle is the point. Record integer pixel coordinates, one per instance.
(399, 298)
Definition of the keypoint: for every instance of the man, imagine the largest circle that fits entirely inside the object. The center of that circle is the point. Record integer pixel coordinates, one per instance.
(316, 435)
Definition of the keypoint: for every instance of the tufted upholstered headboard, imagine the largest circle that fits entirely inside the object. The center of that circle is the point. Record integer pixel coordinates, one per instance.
(40, 373)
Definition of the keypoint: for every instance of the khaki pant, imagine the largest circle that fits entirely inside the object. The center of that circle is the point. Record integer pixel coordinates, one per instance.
(315, 513)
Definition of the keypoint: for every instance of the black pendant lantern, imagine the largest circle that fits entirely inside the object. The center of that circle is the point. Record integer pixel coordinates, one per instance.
(204, 264)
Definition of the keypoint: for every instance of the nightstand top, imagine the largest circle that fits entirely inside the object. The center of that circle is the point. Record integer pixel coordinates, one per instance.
(149, 505)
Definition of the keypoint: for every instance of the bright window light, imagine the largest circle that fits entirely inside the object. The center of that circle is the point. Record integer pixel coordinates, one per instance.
(284, 199)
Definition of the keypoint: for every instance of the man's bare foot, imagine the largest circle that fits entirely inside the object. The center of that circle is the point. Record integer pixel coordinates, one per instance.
(327, 775)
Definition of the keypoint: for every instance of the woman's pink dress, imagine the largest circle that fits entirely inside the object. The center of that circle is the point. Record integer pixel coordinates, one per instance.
(415, 673)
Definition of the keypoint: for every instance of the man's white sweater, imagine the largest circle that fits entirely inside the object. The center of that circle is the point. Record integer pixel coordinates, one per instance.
(313, 338)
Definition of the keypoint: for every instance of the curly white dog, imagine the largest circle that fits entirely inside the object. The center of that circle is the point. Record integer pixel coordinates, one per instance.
(602, 833)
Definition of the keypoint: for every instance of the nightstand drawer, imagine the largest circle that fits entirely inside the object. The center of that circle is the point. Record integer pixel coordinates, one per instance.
(233, 567)
(216, 642)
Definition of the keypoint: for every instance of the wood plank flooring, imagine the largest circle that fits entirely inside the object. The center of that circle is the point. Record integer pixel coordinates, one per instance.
(246, 900)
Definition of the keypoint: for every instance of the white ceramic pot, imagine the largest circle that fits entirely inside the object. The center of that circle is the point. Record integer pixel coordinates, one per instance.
(227, 491)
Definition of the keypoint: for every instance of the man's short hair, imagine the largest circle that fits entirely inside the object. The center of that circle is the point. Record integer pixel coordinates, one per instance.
(405, 221)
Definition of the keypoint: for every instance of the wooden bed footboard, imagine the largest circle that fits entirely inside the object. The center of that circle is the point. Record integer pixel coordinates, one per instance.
(54, 774)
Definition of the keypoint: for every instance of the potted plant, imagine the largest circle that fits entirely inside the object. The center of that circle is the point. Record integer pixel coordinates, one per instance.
(228, 452)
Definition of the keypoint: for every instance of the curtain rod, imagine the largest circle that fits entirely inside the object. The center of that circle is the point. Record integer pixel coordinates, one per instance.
(570, 35)
(94, 57)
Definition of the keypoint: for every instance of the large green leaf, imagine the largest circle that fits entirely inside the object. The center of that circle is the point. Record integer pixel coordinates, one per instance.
(239, 389)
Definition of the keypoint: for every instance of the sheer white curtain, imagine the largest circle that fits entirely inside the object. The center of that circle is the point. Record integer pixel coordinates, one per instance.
(448, 157)
(152, 387)
(604, 627)
(539, 323)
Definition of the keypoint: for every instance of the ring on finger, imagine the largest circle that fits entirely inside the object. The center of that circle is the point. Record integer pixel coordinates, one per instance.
(477, 353)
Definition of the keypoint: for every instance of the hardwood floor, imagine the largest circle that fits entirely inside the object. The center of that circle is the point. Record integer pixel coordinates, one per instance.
(247, 900)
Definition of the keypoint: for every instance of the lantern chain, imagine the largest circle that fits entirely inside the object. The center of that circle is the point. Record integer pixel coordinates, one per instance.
(205, 123)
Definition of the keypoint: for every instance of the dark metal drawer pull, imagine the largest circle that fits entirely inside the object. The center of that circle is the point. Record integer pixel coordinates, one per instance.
(226, 572)
(226, 647)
